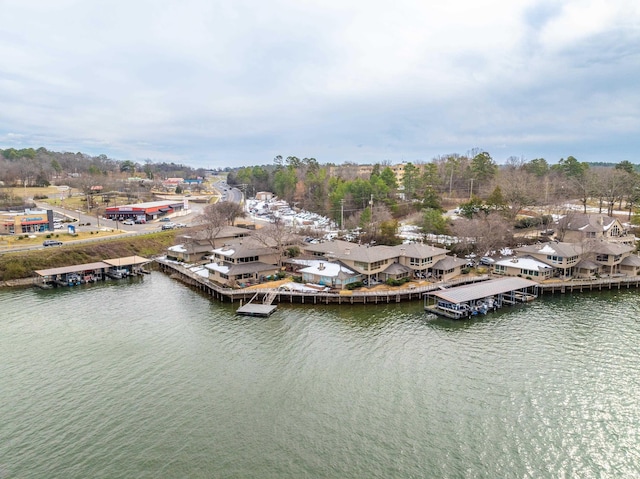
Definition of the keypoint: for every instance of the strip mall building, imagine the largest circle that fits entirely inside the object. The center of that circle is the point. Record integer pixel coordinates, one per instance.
(145, 211)
(29, 221)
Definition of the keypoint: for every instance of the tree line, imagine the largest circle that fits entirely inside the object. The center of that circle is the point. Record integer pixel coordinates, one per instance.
(490, 196)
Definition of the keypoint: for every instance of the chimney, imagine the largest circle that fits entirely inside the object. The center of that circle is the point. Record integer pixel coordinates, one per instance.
(321, 266)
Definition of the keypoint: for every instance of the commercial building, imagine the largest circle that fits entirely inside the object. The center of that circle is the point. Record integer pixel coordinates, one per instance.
(145, 211)
(28, 221)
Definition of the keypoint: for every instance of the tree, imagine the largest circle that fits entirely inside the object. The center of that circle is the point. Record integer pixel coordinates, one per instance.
(483, 234)
(213, 218)
(538, 167)
(276, 235)
(433, 222)
(128, 166)
(483, 167)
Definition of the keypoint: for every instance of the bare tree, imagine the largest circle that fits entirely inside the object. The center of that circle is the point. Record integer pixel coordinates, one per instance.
(276, 235)
(483, 233)
(213, 219)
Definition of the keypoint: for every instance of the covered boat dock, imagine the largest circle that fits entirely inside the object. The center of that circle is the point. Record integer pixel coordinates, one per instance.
(480, 298)
(75, 275)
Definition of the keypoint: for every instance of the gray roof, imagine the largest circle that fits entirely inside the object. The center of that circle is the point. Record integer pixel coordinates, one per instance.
(250, 268)
(244, 247)
(449, 263)
(557, 248)
(127, 261)
(224, 232)
(586, 264)
(605, 247)
(471, 292)
(73, 269)
(632, 260)
(419, 250)
(353, 252)
(587, 222)
(397, 268)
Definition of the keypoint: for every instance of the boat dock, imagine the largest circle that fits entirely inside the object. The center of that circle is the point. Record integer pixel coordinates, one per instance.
(115, 268)
(474, 299)
(254, 309)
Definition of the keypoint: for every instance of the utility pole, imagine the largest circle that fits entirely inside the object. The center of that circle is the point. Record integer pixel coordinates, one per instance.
(371, 206)
(342, 214)
(471, 190)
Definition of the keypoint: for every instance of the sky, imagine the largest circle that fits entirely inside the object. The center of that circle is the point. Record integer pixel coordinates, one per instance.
(212, 83)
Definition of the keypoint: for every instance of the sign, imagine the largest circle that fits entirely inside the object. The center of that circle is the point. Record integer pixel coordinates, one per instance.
(72, 229)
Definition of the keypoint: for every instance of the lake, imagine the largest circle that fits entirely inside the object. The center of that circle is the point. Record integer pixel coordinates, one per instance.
(148, 378)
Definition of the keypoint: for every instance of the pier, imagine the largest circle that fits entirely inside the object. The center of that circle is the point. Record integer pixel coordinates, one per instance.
(474, 299)
(518, 290)
(197, 278)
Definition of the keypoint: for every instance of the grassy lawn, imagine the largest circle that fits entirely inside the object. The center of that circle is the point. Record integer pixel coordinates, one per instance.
(13, 241)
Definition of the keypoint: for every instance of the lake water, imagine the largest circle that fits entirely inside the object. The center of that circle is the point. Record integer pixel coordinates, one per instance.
(149, 379)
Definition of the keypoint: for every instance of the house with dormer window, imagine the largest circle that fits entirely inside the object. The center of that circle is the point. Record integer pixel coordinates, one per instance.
(578, 227)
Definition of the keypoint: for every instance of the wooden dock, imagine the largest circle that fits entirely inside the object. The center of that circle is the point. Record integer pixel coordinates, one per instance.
(252, 309)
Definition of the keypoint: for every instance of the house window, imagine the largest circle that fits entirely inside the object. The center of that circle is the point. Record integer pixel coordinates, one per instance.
(419, 261)
(378, 264)
(361, 265)
(602, 257)
(500, 268)
(591, 234)
(248, 259)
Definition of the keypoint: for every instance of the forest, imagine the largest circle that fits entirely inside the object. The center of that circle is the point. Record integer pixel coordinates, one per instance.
(493, 200)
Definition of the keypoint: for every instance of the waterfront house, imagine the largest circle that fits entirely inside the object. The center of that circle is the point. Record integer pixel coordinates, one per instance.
(448, 267)
(419, 258)
(563, 257)
(525, 267)
(198, 244)
(243, 262)
(368, 261)
(608, 256)
(335, 275)
(589, 259)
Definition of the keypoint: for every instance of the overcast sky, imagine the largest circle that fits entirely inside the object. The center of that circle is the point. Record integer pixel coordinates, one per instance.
(226, 83)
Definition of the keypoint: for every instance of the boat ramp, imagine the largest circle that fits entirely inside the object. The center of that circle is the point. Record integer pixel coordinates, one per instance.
(480, 298)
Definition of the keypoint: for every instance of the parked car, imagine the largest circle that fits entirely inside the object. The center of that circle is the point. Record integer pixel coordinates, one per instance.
(51, 243)
(164, 219)
(140, 222)
(168, 226)
(486, 261)
(128, 222)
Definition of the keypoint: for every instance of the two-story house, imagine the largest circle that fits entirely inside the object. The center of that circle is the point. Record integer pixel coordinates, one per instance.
(194, 246)
(243, 262)
(578, 227)
(563, 257)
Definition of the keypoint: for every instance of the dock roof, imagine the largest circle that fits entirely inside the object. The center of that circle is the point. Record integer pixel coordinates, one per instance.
(492, 287)
(127, 261)
(72, 269)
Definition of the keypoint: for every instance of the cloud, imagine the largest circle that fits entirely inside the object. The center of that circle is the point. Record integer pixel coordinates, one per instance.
(204, 81)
